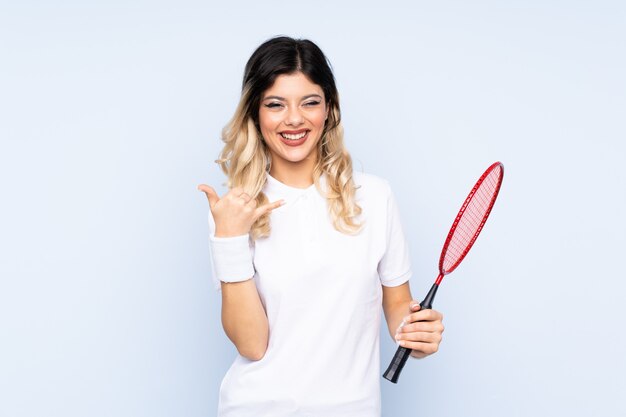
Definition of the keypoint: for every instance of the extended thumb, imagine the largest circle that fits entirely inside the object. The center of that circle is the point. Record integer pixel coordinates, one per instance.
(211, 195)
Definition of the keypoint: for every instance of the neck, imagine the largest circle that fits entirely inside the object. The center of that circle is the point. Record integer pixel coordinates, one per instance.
(294, 174)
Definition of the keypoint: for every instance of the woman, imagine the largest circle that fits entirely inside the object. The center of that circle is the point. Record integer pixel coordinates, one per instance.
(305, 251)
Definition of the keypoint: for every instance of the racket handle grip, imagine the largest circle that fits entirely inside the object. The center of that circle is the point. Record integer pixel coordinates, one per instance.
(402, 354)
(397, 363)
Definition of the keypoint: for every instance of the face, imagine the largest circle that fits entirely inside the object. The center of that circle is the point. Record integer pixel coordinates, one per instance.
(291, 117)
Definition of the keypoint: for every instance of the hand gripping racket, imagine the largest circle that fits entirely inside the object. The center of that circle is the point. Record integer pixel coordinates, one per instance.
(463, 233)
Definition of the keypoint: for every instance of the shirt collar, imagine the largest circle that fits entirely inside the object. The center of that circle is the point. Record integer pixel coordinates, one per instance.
(281, 190)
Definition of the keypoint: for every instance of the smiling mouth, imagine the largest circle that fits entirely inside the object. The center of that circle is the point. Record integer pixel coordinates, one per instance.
(294, 136)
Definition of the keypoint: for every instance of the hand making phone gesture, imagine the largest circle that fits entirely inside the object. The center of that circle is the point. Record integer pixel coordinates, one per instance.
(236, 211)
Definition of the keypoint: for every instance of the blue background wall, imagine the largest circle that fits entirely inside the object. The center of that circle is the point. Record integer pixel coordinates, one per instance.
(110, 115)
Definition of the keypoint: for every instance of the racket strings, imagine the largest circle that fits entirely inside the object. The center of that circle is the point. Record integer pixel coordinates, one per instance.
(472, 219)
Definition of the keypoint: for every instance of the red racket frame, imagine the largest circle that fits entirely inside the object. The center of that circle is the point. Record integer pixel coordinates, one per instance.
(455, 223)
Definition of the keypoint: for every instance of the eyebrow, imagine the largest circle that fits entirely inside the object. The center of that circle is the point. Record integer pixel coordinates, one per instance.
(284, 99)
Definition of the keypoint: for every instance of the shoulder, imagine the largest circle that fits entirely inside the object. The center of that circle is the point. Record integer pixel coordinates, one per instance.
(373, 195)
(370, 184)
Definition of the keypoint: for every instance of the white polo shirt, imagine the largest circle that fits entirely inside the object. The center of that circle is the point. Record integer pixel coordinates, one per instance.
(322, 293)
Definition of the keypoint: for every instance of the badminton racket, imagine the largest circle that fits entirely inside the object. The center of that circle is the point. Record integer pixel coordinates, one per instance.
(465, 229)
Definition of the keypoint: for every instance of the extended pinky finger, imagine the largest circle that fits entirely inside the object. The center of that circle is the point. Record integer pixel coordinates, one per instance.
(271, 206)
(268, 207)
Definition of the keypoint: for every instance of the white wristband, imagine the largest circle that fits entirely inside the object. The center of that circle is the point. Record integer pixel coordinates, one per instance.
(232, 259)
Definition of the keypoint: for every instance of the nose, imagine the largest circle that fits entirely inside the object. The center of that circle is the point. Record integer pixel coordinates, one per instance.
(294, 117)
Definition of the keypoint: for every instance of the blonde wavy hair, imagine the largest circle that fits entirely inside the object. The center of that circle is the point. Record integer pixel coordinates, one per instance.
(245, 158)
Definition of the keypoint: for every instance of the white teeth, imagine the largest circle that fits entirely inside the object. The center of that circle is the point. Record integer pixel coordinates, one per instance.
(293, 137)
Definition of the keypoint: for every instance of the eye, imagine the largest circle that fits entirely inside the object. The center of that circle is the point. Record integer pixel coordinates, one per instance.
(311, 103)
(273, 105)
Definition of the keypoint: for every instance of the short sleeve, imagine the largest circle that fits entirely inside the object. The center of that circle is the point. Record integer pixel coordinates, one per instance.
(216, 282)
(394, 268)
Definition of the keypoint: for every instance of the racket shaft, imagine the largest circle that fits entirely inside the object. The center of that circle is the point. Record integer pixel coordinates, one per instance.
(402, 354)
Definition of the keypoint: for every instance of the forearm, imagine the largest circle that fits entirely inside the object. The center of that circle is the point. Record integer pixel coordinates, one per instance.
(244, 318)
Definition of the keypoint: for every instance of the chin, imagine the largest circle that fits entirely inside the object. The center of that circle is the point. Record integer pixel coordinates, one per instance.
(297, 158)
